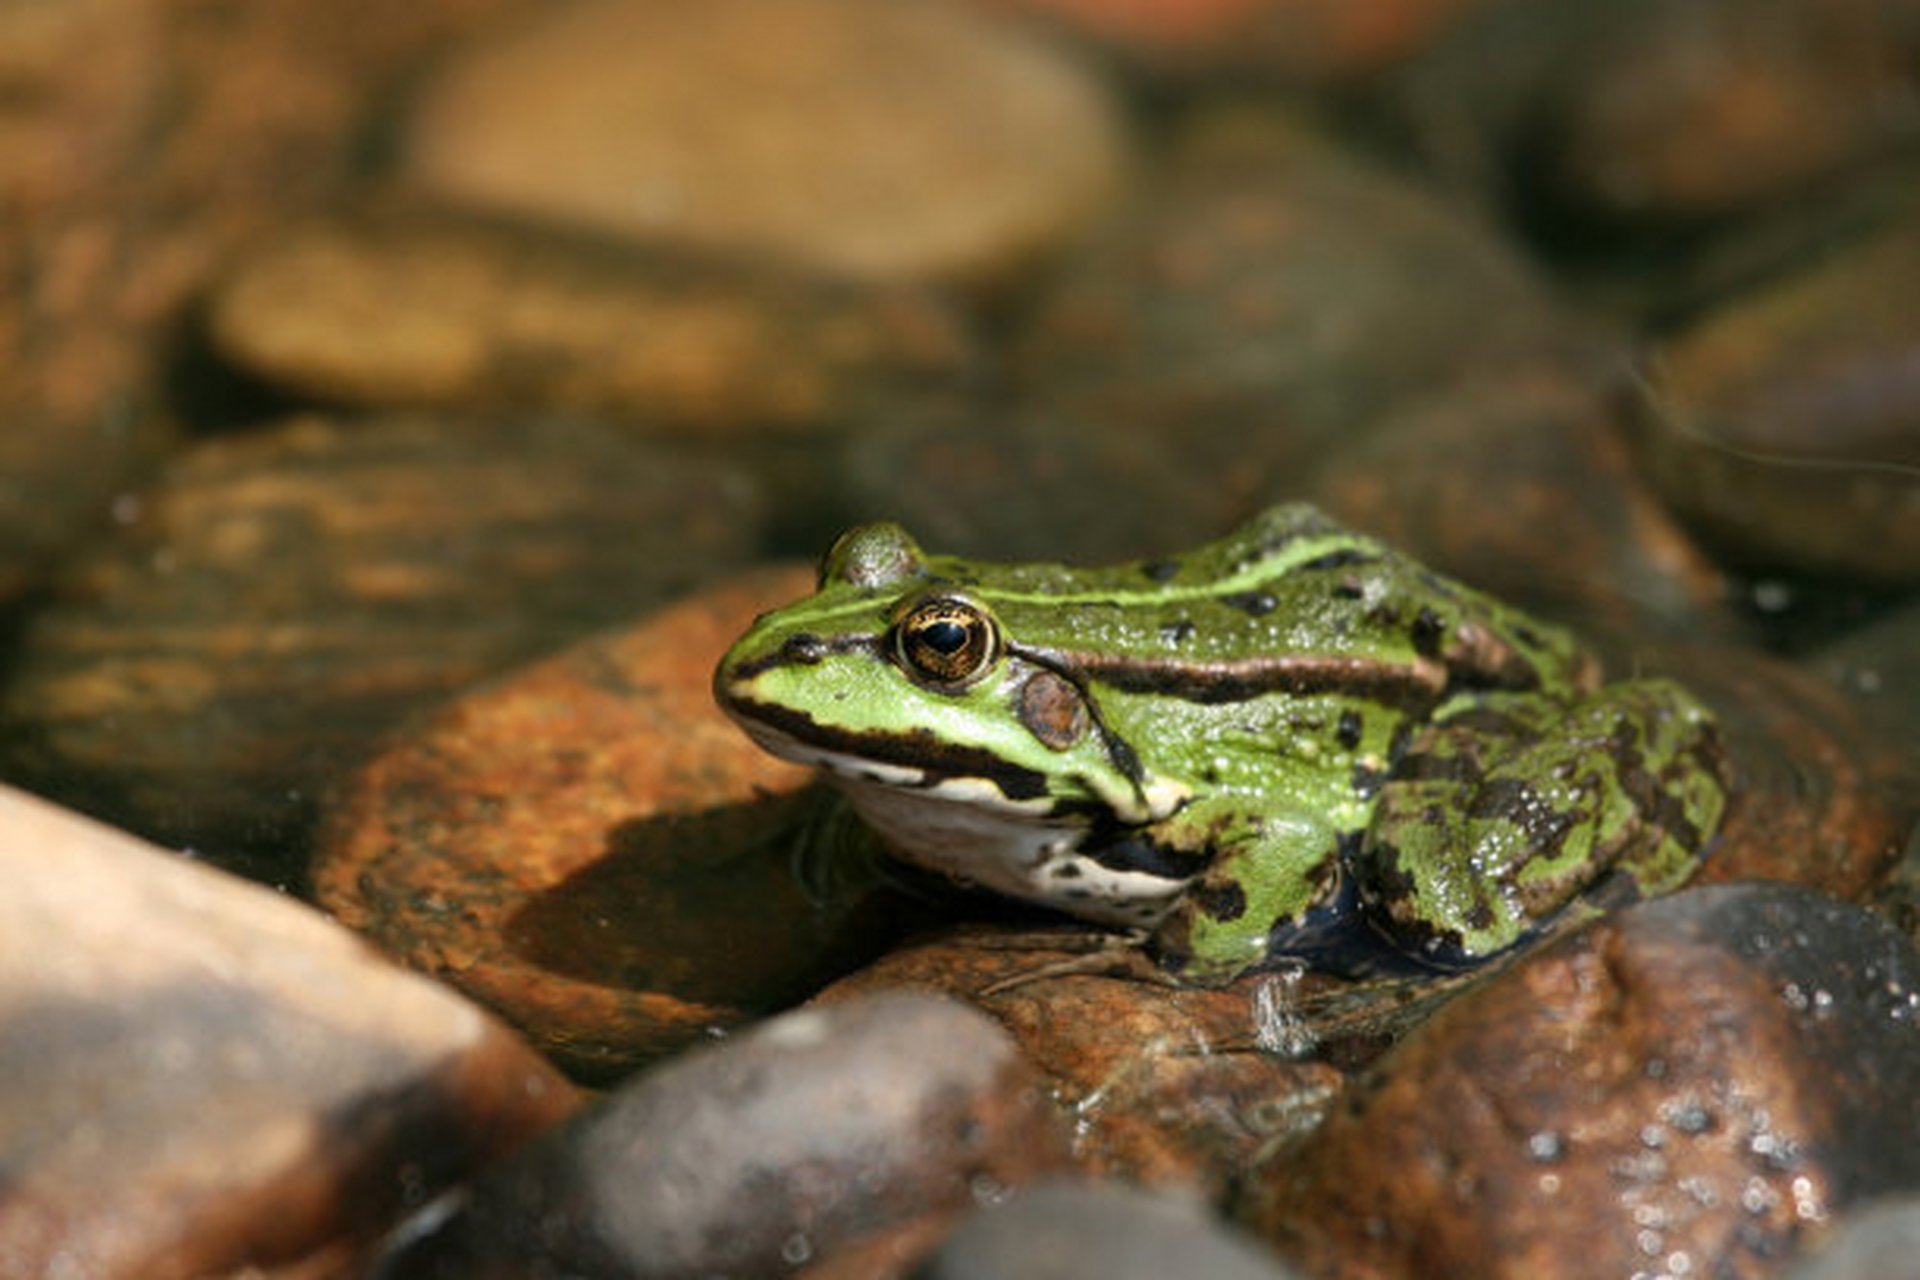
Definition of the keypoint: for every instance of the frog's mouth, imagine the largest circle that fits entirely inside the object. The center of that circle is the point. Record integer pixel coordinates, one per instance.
(914, 760)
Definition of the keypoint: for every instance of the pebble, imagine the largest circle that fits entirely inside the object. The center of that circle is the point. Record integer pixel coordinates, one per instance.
(203, 1076)
(587, 845)
(275, 601)
(760, 1154)
(1786, 422)
(1084, 1231)
(409, 308)
(891, 141)
(1657, 1090)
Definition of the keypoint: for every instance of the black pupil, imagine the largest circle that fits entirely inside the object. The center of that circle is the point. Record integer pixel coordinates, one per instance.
(944, 637)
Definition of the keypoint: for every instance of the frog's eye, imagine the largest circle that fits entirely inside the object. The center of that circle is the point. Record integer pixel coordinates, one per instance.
(946, 642)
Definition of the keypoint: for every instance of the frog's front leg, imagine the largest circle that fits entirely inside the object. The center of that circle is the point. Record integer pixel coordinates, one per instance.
(1263, 870)
(1510, 807)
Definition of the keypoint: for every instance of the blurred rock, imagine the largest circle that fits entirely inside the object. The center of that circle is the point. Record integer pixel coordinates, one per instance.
(1470, 477)
(139, 143)
(1320, 43)
(887, 141)
(275, 602)
(758, 1155)
(1874, 665)
(1702, 108)
(417, 309)
(1267, 296)
(1786, 424)
(588, 846)
(1655, 1091)
(204, 1078)
(1880, 1242)
(1069, 1231)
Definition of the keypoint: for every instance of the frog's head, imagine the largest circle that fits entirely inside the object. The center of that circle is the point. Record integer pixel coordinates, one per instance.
(899, 676)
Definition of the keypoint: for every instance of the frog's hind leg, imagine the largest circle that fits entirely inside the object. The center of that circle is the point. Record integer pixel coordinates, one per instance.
(1505, 811)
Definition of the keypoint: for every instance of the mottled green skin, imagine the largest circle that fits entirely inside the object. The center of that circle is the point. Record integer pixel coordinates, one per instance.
(1284, 742)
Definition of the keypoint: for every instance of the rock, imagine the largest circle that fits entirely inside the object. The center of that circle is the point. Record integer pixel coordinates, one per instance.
(1321, 43)
(1465, 478)
(588, 846)
(1880, 1242)
(1169, 1086)
(204, 1077)
(757, 1155)
(1655, 1091)
(276, 601)
(139, 144)
(1265, 295)
(1068, 1231)
(1787, 423)
(887, 141)
(1699, 109)
(1874, 666)
(424, 310)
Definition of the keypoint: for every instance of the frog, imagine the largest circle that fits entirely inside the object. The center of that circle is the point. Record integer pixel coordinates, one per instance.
(1292, 745)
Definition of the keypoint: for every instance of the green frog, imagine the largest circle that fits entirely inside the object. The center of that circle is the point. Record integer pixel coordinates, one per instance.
(1295, 742)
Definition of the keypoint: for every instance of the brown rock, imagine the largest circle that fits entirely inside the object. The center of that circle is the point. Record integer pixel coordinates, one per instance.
(1316, 42)
(1787, 423)
(202, 1076)
(1266, 295)
(139, 143)
(879, 140)
(1168, 1085)
(1701, 108)
(276, 601)
(755, 1156)
(1658, 1091)
(429, 310)
(1467, 479)
(591, 848)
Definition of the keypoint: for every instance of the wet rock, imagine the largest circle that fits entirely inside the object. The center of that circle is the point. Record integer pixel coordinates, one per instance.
(1698, 109)
(1657, 1091)
(588, 846)
(1067, 1231)
(878, 140)
(1880, 1242)
(1466, 478)
(274, 602)
(1263, 297)
(1169, 1086)
(1313, 42)
(1787, 423)
(417, 309)
(758, 1155)
(204, 1077)
(1822, 800)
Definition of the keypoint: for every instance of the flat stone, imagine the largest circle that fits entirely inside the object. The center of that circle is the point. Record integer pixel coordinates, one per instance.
(917, 140)
(588, 846)
(1084, 1231)
(414, 309)
(755, 1156)
(276, 601)
(1786, 423)
(1657, 1090)
(1880, 1242)
(203, 1076)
